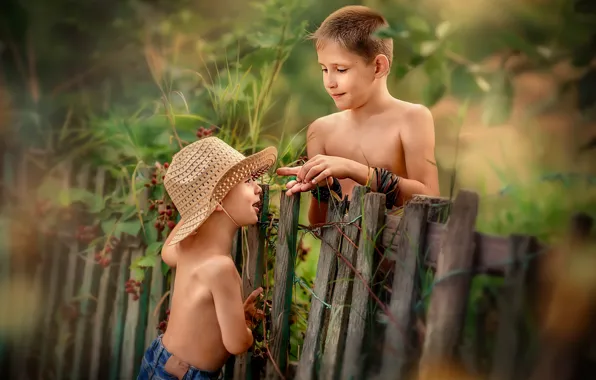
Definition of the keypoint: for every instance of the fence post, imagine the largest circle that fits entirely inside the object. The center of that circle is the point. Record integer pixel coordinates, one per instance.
(449, 296)
(372, 222)
(342, 290)
(326, 267)
(399, 339)
(86, 290)
(252, 272)
(68, 292)
(508, 350)
(283, 277)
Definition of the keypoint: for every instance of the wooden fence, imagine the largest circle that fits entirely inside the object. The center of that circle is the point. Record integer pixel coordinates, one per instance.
(91, 328)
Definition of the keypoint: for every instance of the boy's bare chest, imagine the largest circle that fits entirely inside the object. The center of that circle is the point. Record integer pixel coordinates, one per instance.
(374, 146)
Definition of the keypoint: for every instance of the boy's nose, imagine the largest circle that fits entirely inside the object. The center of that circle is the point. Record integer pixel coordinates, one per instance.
(331, 84)
(258, 189)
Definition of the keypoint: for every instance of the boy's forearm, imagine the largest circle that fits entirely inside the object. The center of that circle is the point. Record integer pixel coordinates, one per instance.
(410, 187)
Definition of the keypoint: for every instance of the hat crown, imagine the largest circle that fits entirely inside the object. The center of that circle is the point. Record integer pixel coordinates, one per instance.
(196, 169)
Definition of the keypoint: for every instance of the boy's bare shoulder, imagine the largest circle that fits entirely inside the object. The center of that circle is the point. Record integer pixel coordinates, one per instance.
(325, 123)
(218, 267)
(412, 112)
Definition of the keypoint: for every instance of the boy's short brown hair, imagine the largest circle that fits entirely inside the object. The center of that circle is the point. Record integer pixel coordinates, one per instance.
(353, 27)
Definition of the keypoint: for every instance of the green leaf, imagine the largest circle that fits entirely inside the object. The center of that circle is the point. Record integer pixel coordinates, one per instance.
(165, 269)
(150, 233)
(515, 42)
(147, 261)
(463, 84)
(108, 225)
(137, 274)
(390, 32)
(131, 227)
(433, 92)
(418, 24)
(154, 248)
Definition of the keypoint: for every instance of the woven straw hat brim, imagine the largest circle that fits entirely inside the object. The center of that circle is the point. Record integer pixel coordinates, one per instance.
(252, 166)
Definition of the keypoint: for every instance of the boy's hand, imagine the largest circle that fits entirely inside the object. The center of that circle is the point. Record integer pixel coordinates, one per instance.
(315, 172)
(251, 313)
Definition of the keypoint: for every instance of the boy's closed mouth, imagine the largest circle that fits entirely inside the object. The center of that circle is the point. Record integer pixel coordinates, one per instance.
(337, 96)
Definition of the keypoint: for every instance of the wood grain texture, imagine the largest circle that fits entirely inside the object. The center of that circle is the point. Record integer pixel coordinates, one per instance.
(398, 348)
(449, 297)
(359, 317)
(342, 290)
(326, 270)
(283, 277)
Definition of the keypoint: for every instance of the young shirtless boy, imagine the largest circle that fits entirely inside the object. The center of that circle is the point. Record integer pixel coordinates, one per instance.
(212, 186)
(374, 136)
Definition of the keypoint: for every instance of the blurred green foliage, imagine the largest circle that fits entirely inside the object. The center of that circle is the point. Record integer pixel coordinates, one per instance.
(123, 84)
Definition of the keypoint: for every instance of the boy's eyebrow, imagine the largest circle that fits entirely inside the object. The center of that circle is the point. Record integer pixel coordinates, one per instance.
(335, 64)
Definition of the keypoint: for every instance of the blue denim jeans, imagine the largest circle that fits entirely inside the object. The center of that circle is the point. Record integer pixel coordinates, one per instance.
(154, 362)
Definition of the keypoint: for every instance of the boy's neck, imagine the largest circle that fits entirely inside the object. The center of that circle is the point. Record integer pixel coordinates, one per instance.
(215, 236)
(379, 101)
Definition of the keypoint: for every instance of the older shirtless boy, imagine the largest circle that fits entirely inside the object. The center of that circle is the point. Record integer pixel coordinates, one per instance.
(212, 186)
(374, 139)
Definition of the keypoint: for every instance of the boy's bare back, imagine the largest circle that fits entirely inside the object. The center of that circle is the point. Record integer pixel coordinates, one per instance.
(194, 333)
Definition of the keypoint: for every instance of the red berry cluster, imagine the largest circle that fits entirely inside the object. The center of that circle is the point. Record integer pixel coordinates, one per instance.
(104, 256)
(159, 173)
(166, 217)
(205, 132)
(86, 234)
(163, 325)
(133, 288)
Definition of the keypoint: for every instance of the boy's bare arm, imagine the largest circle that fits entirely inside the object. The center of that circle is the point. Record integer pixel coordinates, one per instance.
(419, 150)
(229, 308)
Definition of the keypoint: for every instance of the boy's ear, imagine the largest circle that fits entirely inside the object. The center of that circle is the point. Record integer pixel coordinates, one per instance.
(381, 65)
(218, 207)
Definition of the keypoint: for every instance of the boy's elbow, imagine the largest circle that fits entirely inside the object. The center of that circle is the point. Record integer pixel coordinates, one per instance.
(239, 344)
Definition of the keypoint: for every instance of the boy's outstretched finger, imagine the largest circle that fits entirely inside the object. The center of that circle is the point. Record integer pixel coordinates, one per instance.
(288, 171)
(253, 296)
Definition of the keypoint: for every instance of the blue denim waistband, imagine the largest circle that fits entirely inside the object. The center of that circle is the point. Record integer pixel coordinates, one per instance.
(154, 362)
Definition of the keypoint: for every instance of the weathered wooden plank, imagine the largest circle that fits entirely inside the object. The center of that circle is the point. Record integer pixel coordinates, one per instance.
(326, 269)
(63, 361)
(119, 314)
(342, 290)
(283, 278)
(398, 349)
(372, 222)
(509, 347)
(492, 251)
(128, 357)
(82, 325)
(252, 272)
(155, 311)
(101, 320)
(56, 265)
(449, 297)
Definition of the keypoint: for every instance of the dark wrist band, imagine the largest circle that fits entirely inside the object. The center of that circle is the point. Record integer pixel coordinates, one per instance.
(323, 193)
(388, 184)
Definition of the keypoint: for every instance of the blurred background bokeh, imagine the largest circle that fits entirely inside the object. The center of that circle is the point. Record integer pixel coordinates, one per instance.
(123, 84)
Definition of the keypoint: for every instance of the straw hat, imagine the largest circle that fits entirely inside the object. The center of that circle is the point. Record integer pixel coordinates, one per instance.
(202, 173)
